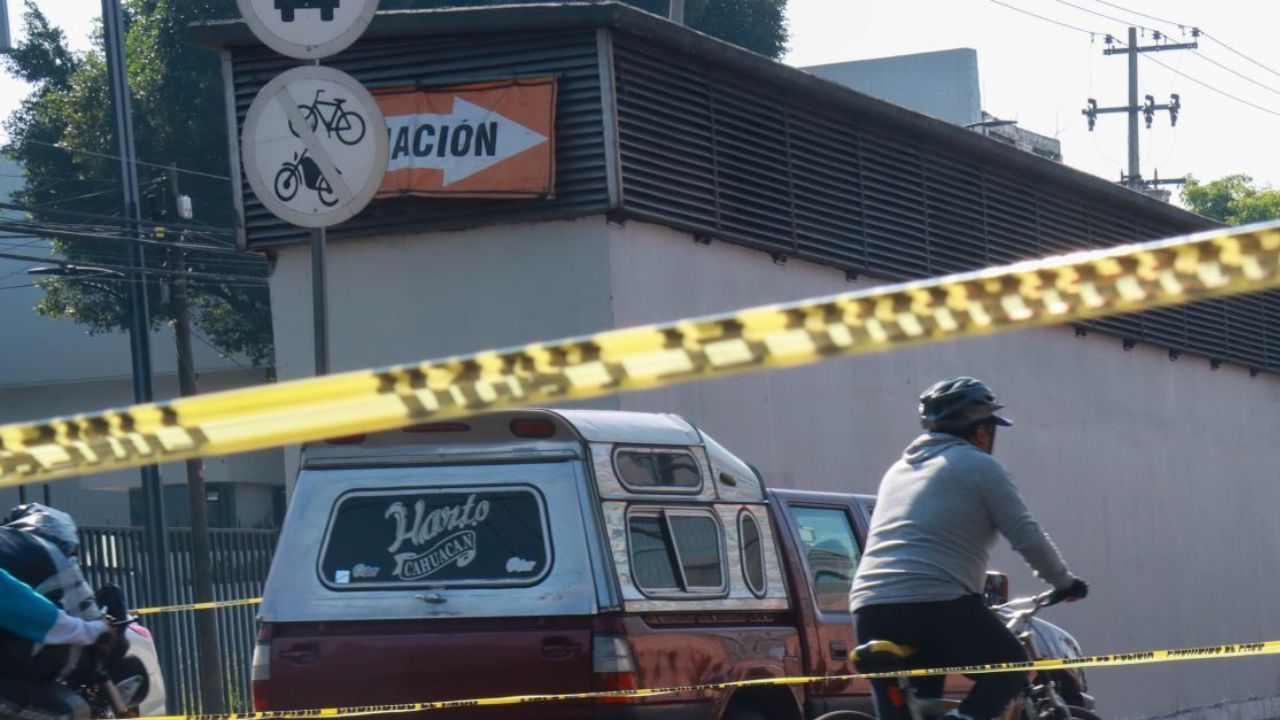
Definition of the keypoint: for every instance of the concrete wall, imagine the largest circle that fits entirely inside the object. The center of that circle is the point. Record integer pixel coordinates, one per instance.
(1156, 478)
(943, 84)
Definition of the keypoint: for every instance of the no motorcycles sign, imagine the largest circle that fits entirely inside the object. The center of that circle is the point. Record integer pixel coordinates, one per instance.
(488, 140)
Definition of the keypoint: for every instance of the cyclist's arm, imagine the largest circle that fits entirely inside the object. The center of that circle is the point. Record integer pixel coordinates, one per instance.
(1014, 520)
(30, 615)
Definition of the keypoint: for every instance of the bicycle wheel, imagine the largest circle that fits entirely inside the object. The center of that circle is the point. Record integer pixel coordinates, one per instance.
(350, 128)
(845, 715)
(325, 192)
(287, 182)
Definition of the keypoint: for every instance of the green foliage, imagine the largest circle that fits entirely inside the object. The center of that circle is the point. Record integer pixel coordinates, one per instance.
(1234, 199)
(178, 118)
(757, 25)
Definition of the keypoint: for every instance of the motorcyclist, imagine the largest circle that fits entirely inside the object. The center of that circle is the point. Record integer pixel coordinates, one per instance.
(47, 614)
(938, 512)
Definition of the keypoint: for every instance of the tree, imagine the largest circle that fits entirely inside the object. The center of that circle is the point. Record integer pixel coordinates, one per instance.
(179, 119)
(1234, 199)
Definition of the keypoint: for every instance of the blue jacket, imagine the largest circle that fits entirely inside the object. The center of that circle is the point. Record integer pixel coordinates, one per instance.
(23, 611)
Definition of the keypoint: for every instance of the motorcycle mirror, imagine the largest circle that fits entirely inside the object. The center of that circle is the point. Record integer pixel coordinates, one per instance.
(111, 599)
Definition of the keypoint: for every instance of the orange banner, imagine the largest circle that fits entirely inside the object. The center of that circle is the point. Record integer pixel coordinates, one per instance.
(488, 140)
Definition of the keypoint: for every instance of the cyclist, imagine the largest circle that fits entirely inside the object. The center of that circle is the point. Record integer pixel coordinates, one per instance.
(47, 614)
(938, 512)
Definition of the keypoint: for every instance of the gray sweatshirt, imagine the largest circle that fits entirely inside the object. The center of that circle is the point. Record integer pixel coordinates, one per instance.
(936, 518)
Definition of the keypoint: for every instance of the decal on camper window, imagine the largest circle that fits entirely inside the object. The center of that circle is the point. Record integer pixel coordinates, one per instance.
(437, 537)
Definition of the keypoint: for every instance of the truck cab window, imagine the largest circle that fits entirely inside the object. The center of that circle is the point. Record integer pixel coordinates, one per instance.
(830, 553)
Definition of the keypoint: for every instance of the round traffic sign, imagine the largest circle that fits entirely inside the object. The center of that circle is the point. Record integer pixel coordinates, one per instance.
(307, 29)
(314, 145)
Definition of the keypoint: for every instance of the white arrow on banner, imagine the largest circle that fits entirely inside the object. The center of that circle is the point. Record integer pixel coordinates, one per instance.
(461, 143)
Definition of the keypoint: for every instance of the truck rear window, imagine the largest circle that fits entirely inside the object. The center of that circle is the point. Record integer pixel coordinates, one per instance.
(437, 537)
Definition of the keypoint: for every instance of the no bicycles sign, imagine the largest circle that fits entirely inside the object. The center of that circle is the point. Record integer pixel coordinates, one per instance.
(307, 29)
(315, 146)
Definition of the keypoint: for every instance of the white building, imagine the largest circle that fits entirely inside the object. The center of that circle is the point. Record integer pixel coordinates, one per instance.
(54, 367)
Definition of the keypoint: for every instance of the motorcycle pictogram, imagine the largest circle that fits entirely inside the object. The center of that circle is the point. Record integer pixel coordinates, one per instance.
(347, 125)
(304, 172)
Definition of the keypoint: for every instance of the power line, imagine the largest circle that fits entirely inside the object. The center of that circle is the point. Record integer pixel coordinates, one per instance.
(1207, 86)
(1237, 52)
(1103, 15)
(160, 272)
(1184, 26)
(227, 356)
(1242, 76)
(108, 156)
(1090, 33)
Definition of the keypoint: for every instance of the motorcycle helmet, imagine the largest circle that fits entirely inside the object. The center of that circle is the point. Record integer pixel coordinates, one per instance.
(52, 525)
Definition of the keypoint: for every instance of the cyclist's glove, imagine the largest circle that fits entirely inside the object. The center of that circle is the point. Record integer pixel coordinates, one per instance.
(1077, 590)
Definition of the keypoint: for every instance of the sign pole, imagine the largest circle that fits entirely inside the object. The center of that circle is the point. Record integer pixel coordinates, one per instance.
(319, 301)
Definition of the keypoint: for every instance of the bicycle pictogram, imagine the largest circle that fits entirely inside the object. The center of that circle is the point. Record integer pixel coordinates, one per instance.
(304, 172)
(347, 125)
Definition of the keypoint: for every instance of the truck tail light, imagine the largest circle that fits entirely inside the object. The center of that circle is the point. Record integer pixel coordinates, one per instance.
(262, 670)
(612, 666)
(533, 428)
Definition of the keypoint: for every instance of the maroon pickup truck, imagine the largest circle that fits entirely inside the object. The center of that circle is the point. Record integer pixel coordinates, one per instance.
(557, 551)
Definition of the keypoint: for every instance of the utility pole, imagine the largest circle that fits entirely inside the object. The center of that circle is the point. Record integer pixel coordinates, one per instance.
(675, 12)
(139, 334)
(212, 693)
(1091, 112)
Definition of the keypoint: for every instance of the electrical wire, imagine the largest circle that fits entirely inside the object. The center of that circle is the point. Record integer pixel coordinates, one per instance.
(1237, 52)
(228, 356)
(1180, 26)
(1240, 75)
(1207, 86)
(1104, 15)
(1091, 33)
(82, 151)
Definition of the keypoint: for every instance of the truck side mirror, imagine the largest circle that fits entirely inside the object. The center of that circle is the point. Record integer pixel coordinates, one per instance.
(996, 589)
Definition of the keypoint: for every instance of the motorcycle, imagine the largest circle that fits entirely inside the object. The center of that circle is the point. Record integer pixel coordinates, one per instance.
(112, 682)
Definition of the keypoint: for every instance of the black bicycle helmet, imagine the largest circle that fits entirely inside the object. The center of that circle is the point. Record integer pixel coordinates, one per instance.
(957, 403)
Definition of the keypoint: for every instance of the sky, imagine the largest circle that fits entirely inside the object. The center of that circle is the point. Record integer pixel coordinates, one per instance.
(1032, 70)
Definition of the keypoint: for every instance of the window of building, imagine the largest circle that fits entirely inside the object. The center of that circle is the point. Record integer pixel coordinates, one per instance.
(676, 552)
(656, 470)
(831, 553)
(752, 552)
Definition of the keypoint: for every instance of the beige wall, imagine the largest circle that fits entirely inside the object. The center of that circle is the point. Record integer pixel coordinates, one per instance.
(1157, 478)
(103, 499)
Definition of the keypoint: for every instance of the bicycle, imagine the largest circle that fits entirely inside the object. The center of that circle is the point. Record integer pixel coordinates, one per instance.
(1039, 701)
(347, 125)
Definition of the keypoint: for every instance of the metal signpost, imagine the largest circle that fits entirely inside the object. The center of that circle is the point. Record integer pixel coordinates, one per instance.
(314, 141)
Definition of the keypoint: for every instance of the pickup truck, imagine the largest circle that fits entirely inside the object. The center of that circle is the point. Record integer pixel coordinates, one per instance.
(558, 551)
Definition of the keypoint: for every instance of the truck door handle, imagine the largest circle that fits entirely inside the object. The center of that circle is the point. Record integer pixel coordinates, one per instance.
(559, 647)
(839, 650)
(302, 654)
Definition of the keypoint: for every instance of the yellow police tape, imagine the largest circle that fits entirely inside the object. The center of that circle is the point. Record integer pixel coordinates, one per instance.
(211, 605)
(1139, 658)
(1042, 292)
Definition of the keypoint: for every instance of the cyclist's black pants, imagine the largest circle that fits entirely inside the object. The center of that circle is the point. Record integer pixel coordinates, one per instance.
(947, 633)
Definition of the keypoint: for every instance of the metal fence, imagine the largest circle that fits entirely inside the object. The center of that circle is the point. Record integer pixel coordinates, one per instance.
(241, 559)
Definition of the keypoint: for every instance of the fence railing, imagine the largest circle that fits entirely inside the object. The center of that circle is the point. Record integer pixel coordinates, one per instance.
(241, 560)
